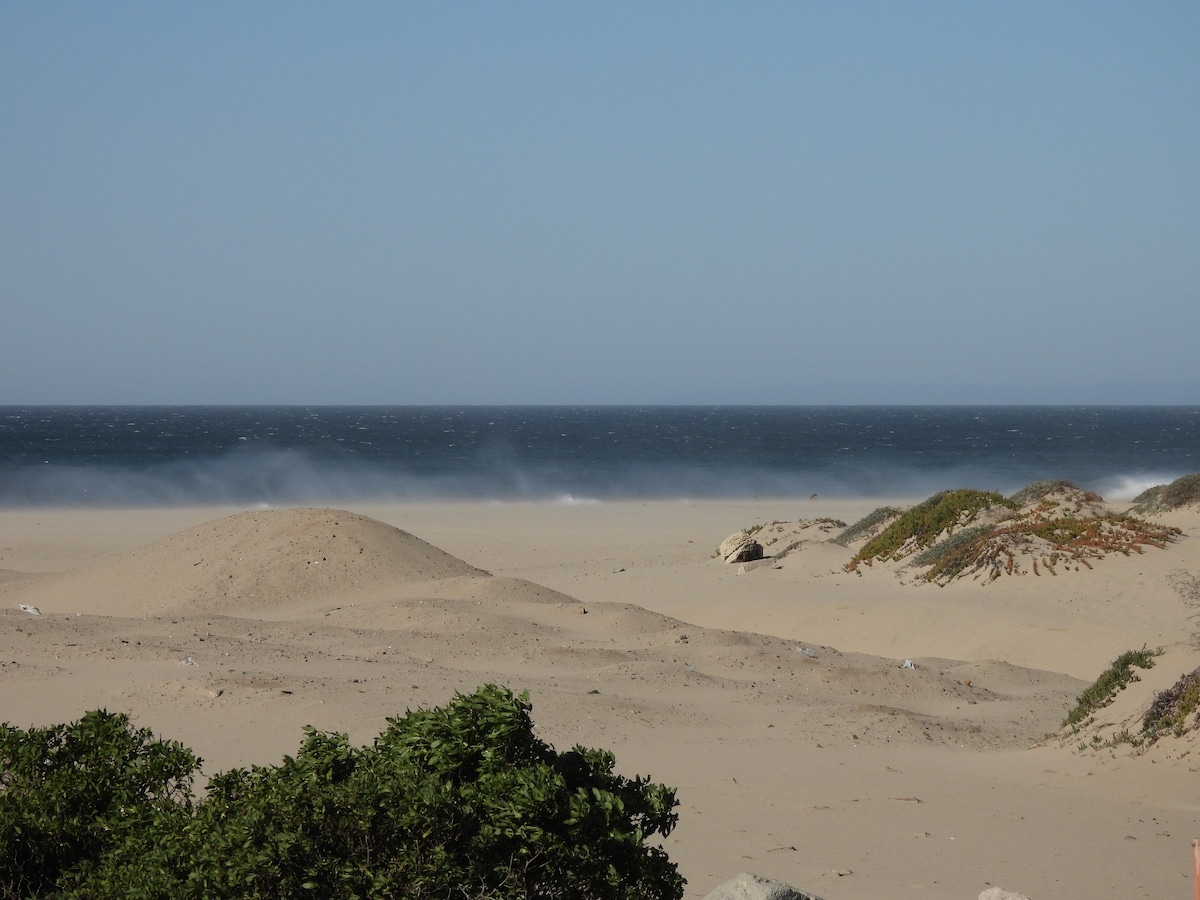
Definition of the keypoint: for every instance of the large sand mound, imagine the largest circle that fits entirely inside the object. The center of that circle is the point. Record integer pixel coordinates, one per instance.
(252, 562)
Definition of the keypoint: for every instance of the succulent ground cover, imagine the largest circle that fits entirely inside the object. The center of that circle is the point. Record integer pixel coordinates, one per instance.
(924, 524)
(1043, 529)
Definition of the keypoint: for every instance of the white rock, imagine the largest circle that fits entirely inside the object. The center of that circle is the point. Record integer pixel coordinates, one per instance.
(748, 886)
(739, 547)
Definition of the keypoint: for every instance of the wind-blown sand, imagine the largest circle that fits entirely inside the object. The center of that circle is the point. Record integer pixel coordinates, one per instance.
(775, 700)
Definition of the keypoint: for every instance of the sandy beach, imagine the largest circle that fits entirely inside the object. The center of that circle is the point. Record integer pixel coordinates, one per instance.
(775, 697)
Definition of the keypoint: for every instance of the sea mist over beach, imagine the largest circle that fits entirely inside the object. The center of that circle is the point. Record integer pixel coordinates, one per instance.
(137, 456)
(294, 477)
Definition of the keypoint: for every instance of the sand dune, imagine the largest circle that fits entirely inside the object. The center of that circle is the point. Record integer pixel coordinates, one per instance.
(255, 561)
(777, 700)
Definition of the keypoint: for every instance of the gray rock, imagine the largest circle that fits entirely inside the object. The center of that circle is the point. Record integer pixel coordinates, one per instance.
(997, 893)
(748, 886)
(739, 547)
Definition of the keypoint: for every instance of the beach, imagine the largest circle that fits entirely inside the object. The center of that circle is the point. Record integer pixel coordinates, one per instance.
(856, 734)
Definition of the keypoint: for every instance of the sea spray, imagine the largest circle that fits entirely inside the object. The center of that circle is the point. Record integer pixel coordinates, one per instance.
(106, 456)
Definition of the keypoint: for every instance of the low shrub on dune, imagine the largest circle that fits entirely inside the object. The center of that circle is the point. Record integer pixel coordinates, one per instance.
(1170, 709)
(1161, 498)
(1111, 681)
(922, 525)
(868, 526)
(1044, 527)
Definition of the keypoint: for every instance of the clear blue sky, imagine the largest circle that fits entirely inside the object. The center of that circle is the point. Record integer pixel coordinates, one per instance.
(599, 203)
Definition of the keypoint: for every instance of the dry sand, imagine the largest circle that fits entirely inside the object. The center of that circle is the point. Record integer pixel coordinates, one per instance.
(775, 700)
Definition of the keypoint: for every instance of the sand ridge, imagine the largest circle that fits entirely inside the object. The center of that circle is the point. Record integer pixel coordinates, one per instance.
(288, 584)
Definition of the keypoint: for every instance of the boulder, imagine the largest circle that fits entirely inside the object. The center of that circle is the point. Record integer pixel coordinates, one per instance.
(748, 886)
(739, 547)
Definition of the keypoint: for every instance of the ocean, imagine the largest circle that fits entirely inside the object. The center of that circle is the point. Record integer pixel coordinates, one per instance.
(277, 455)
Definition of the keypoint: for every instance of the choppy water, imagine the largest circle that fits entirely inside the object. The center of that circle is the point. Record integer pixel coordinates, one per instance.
(277, 455)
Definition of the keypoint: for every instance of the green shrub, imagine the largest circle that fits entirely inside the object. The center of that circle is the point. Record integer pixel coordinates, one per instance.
(1112, 680)
(457, 802)
(72, 794)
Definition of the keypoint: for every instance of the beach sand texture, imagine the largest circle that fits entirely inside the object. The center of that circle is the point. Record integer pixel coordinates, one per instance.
(774, 697)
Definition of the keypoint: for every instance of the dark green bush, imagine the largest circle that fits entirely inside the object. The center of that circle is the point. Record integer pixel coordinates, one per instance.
(70, 795)
(457, 802)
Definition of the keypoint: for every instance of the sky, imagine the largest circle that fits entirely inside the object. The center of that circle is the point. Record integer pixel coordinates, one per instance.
(626, 203)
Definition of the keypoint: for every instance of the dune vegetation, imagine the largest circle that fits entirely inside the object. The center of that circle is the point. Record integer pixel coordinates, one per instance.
(1111, 681)
(1161, 498)
(1044, 528)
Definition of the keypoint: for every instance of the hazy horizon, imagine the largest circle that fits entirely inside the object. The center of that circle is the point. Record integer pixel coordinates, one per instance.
(840, 395)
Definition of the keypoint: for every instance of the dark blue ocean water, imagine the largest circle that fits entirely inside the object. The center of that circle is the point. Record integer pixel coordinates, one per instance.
(284, 455)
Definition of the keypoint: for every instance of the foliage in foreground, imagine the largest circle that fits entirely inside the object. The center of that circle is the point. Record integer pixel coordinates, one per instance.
(462, 801)
(1112, 680)
(72, 795)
